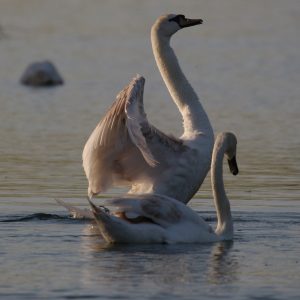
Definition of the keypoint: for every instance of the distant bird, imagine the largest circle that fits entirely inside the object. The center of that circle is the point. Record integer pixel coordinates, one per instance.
(41, 74)
(159, 219)
(125, 149)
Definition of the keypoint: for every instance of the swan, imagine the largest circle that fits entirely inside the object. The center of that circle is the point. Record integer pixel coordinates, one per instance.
(126, 150)
(160, 219)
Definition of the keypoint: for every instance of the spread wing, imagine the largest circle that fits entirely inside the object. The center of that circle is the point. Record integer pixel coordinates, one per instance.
(124, 146)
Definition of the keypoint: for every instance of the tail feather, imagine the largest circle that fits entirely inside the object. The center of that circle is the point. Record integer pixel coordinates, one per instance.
(75, 212)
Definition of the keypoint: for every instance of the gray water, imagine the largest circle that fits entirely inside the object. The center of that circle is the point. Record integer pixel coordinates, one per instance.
(244, 62)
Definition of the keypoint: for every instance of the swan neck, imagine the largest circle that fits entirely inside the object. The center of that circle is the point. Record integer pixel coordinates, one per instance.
(222, 204)
(194, 117)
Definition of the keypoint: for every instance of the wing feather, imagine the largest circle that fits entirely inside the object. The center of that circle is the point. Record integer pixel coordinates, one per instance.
(111, 141)
(75, 212)
(124, 146)
(160, 209)
(137, 120)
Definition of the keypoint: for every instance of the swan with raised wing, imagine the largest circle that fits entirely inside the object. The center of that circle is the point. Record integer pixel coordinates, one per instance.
(161, 219)
(125, 149)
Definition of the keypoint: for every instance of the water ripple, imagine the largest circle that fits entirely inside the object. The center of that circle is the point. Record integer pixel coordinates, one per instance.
(35, 217)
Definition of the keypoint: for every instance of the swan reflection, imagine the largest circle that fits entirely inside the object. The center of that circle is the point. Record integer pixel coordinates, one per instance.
(177, 266)
(223, 265)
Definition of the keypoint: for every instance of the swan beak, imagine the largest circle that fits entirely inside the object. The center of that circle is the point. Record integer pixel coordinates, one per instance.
(233, 166)
(190, 22)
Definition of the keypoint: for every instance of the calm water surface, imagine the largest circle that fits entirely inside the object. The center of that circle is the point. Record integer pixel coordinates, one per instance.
(244, 63)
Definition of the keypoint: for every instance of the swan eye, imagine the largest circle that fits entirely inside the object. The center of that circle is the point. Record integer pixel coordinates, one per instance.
(178, 19)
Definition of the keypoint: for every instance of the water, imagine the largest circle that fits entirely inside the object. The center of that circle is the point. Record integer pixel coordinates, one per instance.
(244, 62)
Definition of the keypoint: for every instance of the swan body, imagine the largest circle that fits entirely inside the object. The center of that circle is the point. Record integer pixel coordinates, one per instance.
(153, 218)
(125, 149)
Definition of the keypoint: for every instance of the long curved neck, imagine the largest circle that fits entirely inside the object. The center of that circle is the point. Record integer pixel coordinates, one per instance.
(195, 120)
(225, 224)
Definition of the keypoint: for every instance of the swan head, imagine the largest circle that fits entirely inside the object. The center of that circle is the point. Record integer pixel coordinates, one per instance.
(231, 152)
(229, 141)
(169, 24)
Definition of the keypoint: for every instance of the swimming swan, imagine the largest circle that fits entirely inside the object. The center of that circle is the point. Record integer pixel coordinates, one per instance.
(125, 149)
(161, 219)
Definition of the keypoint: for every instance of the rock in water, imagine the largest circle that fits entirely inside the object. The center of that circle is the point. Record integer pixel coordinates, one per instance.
(41, 74)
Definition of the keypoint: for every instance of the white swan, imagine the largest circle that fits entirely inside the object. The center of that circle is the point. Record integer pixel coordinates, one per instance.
(160, 219)
(125, 149)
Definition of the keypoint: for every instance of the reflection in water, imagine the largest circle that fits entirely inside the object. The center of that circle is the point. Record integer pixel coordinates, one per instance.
(155, 265)
(223, 265)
